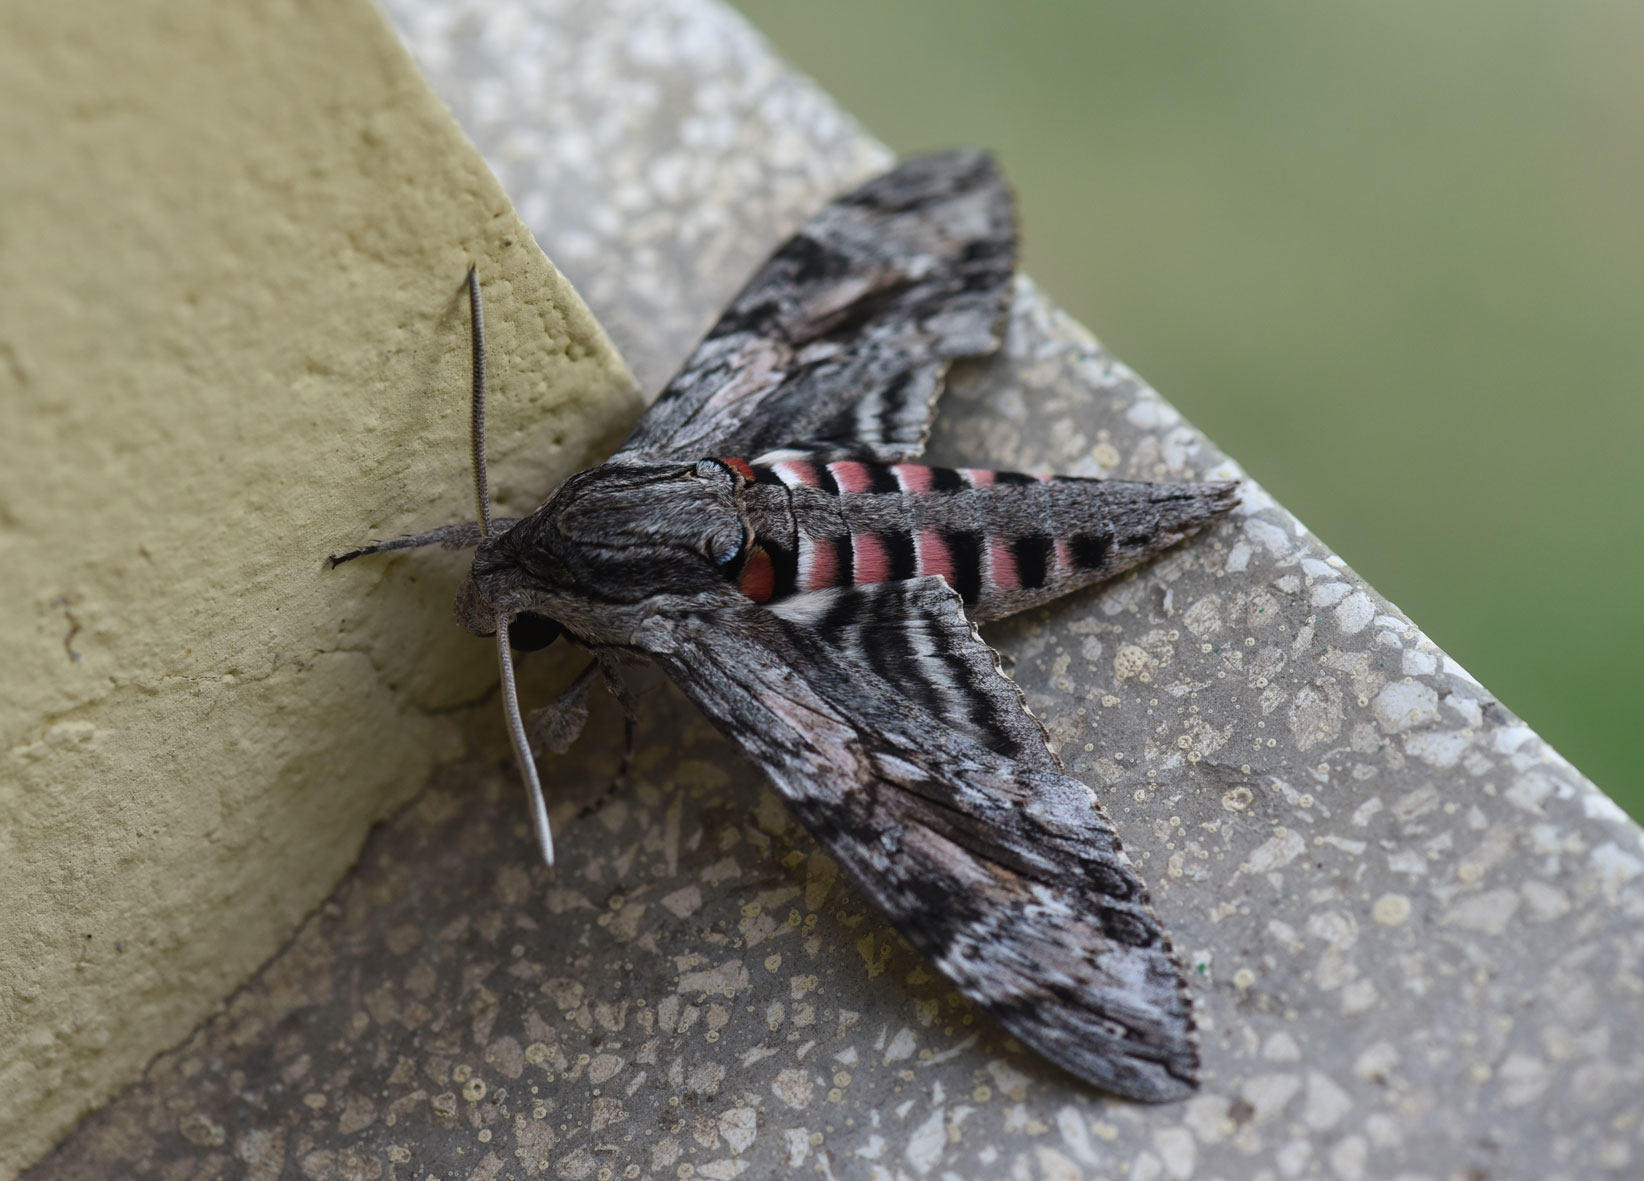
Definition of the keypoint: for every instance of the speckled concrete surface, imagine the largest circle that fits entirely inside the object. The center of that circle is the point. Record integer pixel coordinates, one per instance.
(1414, 931)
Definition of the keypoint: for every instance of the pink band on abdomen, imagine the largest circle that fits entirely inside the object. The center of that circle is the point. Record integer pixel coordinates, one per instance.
(914, 478)
(851, 476)
(933, 554)
(1002, 565)
(818, 566)
(868, 558)
(794, 472)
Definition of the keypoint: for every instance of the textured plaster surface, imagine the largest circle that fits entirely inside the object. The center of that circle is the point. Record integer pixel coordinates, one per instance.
(1414, 932)
(232, 239)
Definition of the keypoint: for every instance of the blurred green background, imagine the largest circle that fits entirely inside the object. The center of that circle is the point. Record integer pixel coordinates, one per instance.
(1390, 256)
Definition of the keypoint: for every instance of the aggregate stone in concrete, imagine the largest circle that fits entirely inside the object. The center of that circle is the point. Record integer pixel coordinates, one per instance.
(1414, 932)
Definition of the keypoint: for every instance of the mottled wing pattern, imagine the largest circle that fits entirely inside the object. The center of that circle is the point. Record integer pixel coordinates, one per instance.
(926, 779)
(916, 639)
(839, 344)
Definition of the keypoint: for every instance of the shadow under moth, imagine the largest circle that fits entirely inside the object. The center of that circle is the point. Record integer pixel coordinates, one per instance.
(768, 537)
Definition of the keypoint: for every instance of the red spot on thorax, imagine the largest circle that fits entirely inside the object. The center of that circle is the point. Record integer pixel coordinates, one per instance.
(758, 577)
(741, 467)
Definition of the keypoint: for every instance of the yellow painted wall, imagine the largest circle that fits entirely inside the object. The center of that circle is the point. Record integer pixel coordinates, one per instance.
(232, 341)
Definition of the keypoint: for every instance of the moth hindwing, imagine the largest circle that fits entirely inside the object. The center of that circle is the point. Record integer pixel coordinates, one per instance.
(768, 537)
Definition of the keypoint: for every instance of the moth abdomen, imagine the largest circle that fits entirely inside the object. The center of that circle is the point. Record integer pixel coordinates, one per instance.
(1004, 540)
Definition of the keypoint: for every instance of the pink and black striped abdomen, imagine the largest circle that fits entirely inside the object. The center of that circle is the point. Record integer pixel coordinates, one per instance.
(1003, 540)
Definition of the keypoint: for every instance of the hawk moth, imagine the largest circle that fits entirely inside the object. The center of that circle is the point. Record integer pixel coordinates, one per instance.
(767, 536)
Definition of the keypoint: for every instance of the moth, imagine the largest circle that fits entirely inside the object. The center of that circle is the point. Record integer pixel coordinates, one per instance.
(768, 537)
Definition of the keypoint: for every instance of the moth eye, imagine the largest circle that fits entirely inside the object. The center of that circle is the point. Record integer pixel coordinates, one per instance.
(530, 632)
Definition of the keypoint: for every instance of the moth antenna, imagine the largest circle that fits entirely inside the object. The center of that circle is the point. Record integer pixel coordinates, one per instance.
(522, 745)
(476, 341)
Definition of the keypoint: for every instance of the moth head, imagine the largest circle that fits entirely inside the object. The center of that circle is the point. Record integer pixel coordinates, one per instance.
(529, 632)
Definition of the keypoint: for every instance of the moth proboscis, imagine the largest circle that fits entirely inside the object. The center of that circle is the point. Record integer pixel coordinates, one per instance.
(767, 536)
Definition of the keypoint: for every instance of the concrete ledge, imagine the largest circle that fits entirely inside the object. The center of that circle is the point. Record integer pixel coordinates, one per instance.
(1415, 932)
(230, 343)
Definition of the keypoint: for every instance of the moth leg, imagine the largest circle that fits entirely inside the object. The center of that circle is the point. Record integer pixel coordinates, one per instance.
(626, 698)
(556, 726)
(460, 536)
(629, 729)
(618, 688)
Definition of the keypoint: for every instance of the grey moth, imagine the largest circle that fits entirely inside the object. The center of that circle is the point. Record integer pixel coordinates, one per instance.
(767, 535)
